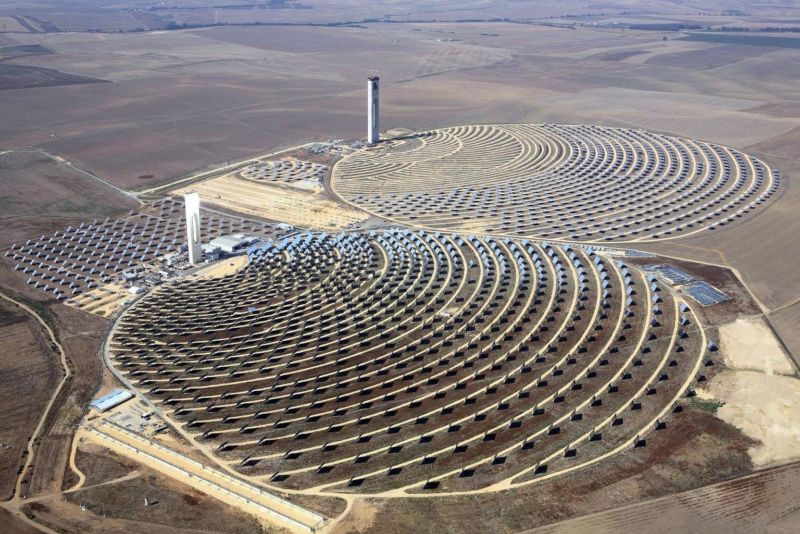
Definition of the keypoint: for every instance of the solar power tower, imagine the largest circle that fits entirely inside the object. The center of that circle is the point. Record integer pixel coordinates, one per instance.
(192, 202)
(373, 131)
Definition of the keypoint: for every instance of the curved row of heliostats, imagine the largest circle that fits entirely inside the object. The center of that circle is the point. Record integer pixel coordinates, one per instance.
(576, 183)
(415, 361)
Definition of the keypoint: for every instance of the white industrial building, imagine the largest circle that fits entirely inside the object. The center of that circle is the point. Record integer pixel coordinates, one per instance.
(232, 243)
(110, 400)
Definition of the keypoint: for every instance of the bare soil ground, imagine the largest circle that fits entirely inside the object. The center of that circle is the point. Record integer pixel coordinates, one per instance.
(276, 203)
(759, 393)
(766, 408)
(81, 335)
(29, 372)
(762, 502)
(750, 344)
(93, 15)
(699, 449)
(10, 24)
(222, 268)
(183, 100)
(103, 301)
(169, 503)
(708, 58)
(12, 525)
(100, 464)
(725, 280)
(26, 77)
(39, 195)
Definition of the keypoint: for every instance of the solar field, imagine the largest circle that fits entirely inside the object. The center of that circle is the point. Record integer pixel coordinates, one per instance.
(468, 330)
(673, 275)
(546, 181)
(411, 361)
(705, 294)
(469, 354)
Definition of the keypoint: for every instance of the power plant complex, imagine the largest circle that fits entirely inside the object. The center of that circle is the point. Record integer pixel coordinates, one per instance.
(458, 317)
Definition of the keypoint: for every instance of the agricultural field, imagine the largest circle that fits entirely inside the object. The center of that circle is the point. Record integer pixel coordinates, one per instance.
(28, 377)
(41, 194)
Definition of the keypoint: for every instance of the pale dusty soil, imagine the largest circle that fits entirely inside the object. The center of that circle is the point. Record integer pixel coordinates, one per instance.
(222, 268)
(103, 301)
(787, 524)
(360, 518)
(307, 185)
(7, 24)
(750, 344)
(307, 210)
(762, 502)
(766, 408)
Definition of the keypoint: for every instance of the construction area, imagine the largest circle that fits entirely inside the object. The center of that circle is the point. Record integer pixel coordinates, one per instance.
(293, 197)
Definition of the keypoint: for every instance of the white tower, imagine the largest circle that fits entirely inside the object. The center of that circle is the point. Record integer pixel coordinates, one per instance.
(192, 202)
(373, 130)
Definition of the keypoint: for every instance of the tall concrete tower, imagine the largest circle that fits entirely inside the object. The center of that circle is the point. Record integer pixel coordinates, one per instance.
(373, 129)
(192, 202)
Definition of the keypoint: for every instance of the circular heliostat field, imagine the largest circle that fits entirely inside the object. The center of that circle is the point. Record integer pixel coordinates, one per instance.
(416, 362)
(578, 183)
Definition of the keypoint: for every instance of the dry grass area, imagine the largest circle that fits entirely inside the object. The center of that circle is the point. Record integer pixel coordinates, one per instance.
(12, 525)
(100, 464)
(184, 510)
(39, 194)
(750, 344)
(276, 203)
